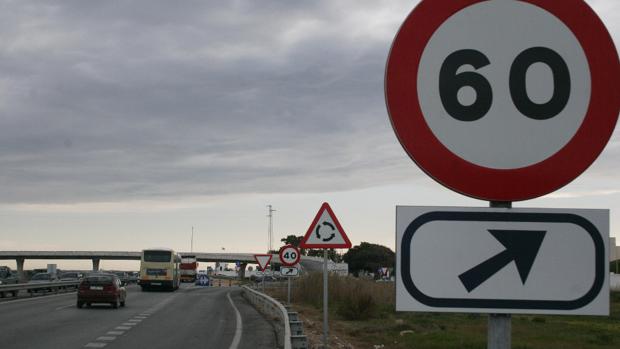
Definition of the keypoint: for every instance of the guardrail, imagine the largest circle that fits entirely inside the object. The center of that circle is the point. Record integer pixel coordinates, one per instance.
(53, 286)
(272, 307)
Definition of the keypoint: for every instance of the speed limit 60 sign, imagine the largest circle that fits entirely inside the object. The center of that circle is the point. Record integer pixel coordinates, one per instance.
(289, 255)
(500, 99)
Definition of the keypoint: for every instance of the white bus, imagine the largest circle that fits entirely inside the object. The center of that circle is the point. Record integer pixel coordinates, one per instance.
(159, 269)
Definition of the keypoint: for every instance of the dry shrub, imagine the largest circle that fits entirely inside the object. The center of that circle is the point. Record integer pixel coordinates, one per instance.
(354, 299)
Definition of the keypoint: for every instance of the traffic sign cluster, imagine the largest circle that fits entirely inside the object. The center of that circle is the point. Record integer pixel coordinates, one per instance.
(503, 101)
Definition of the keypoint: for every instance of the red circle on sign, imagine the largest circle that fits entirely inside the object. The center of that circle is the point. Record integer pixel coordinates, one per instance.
(492, 184)
(289, 248)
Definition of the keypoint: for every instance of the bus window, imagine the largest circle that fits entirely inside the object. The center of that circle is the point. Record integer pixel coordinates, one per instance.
(157, 256)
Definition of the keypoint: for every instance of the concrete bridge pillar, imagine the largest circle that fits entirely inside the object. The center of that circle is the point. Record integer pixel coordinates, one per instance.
(96, 264)
(242, 267)
(21, 276)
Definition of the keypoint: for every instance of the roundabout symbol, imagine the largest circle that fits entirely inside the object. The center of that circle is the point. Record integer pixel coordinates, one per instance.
(318, 234)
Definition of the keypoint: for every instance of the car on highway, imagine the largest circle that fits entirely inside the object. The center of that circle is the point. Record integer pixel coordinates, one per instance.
(122, 275)
(7, 277)
(101, 288)
(42, 278)
(133, 277)
(71, 276)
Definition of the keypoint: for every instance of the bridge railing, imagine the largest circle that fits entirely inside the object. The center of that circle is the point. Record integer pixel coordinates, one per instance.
(53, 286)
(275, 310)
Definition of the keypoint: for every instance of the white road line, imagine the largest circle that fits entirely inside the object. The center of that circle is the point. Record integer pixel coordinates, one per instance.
(124, 328)
(65, 307)
(106, 338)
(135, 320)
(129, 324)
(95, 345)
(115, 333)
(239, 330)
(140, 317)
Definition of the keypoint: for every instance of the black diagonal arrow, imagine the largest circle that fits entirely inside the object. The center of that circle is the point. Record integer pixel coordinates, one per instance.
(521, 247)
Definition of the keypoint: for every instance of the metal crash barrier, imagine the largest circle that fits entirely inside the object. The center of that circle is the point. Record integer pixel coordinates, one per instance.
(276, 311)
(51, 286)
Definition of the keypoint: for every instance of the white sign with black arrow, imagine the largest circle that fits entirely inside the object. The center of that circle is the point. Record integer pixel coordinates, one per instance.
(289, 271)
(489, 260)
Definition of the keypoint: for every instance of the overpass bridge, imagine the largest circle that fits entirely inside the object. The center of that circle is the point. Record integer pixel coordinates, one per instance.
(308, 263)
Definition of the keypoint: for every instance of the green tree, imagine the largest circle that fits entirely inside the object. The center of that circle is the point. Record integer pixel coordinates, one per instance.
(295, 241)
(369, 257)
(331, 254)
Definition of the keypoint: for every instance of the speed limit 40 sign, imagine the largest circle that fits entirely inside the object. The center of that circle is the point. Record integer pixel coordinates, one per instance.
(289, 255)
(503, 100)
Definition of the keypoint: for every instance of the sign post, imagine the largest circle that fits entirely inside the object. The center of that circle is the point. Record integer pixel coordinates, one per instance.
(325, 232)
(499, 326)
(325, 301)
(289, 256)
(503, 101)
(289, 272)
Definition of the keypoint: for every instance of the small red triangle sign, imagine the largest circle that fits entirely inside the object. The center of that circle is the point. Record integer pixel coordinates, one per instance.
(262, 260)
(325, 231)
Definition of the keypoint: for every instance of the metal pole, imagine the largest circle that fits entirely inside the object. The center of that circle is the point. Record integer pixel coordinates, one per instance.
(289, 290)
(499, 326)
(191, 246)
(325, 334)
(270, 229)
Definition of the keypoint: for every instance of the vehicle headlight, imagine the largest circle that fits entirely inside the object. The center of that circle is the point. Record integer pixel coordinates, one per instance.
(0, 282)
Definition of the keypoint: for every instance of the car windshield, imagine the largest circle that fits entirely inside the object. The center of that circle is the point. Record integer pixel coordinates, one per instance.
(42, 277)
(157, 256)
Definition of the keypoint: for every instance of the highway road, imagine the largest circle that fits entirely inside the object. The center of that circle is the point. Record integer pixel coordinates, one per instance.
(192, 317)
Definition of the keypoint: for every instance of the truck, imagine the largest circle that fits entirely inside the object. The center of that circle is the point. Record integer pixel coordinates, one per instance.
(188, 268)
(7, 277)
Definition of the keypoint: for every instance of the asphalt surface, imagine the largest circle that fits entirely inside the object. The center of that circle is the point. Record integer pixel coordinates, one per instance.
(193, 317)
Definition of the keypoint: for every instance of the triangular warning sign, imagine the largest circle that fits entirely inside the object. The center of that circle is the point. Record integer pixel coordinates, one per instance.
(325, 231)
(262, 260)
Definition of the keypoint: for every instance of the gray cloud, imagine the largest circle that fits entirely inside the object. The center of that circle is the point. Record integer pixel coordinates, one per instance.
(118, 100)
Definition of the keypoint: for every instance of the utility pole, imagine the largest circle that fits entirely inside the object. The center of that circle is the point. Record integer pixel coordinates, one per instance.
(191, 246)
(270, 229)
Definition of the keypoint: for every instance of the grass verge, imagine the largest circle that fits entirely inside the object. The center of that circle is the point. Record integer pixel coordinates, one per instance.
(362, 316)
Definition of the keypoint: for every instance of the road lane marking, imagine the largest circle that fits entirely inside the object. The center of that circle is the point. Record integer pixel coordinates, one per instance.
(129, 324)
(106, 338)
(239, 330)
(65, 307)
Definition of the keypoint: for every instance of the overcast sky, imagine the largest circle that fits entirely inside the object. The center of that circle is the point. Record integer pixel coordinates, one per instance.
(125, 123)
